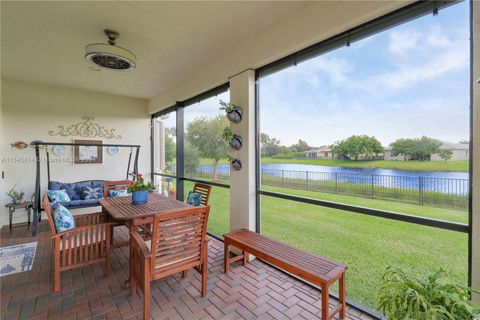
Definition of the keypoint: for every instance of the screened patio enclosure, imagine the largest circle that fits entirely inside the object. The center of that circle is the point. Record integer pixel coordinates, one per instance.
(358, 142)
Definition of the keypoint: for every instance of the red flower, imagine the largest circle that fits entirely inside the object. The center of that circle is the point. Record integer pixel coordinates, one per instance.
(140, 176)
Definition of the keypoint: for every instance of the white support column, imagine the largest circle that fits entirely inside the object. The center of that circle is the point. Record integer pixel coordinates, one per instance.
(158, 151)
(242, 183)
(475, 267)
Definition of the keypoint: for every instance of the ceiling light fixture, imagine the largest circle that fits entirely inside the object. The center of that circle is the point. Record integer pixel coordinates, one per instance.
(110, 56)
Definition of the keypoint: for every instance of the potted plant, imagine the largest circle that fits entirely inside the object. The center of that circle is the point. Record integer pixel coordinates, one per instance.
(426, 296)
(234, 140)
(234, 113)
(236, 163)
(17, 197)
(140, 190)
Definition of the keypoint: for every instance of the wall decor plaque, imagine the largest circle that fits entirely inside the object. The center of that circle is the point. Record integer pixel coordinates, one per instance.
(87, 154)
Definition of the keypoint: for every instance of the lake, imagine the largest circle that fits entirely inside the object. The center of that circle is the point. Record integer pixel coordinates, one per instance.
(225, 168)
(436, 181)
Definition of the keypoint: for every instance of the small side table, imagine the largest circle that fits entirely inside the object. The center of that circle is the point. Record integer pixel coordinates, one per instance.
(27, 205)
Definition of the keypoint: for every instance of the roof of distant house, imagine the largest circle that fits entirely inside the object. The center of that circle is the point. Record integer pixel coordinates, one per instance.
(321, 149)
(454, 146)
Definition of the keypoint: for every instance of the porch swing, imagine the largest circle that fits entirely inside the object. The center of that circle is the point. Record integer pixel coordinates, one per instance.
(75, 204)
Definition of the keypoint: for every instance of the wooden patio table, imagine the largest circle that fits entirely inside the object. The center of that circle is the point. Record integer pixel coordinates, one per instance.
(122, 210)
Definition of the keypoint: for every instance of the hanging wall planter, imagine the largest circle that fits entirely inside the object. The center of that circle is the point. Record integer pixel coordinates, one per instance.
(236, 164)
(234, 140)
(234, 113)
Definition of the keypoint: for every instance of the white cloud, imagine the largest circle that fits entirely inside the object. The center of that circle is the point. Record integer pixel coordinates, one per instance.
(403, 41)
(409, 41)
(409, 74)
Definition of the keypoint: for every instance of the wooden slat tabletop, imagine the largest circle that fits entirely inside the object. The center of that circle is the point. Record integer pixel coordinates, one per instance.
(121, 208)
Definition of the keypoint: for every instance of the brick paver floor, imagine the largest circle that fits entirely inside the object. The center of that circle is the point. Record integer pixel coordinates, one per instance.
(256, 291)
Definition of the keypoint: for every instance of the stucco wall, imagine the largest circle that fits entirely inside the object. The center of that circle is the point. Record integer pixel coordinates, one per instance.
(31, 110)
(457, 155)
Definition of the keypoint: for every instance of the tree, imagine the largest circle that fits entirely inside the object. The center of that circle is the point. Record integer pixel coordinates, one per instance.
(417, 148)
(300, 146)
(357, 146)
(191, 159)
(445, 154)
(206, 135)
(169, 149)
(269, 146)
(464, 142)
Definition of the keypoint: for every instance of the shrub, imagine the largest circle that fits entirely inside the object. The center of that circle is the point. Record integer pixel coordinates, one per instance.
(424, 297)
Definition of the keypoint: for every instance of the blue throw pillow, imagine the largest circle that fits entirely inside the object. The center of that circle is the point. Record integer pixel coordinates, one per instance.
(63, 218)
(119, 193)
(194, 199)
(58, 196)
(91, 193)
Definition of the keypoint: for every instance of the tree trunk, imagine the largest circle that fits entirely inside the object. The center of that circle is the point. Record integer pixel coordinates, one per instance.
(215, 170)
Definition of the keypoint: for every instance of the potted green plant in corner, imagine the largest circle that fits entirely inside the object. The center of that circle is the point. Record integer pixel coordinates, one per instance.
(140, 190)
(15, 196)
(234, 140)
(426, 296)
(234, 113)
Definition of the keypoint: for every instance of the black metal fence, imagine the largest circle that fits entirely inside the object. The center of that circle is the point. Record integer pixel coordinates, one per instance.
(431, 191)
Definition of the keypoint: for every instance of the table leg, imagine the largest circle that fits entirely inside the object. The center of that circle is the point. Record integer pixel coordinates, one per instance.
(10, 216)
(128, 282)
(29, 214)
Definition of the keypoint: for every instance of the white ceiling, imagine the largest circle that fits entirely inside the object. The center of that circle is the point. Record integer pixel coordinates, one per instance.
(43, 41)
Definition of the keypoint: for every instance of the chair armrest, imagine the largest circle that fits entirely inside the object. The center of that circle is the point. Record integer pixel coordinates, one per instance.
(90, 218)
(85, 228)
(137, 240)
(146, 230)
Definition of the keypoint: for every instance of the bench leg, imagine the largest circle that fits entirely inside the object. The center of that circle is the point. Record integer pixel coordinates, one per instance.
(245, 257)
(342, 296)
(226, 247)
(325, 307)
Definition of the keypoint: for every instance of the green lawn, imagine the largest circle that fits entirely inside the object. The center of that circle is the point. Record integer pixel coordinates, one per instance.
(367, 244)
(461, 166)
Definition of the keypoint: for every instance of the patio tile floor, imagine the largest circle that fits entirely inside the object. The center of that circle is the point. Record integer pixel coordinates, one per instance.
(256, 291)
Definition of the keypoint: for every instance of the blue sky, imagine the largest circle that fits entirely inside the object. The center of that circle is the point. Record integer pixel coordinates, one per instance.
(408, 81)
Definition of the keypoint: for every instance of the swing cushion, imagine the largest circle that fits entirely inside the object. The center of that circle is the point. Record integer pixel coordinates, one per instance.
(58, 196)
(91, 193)
(74, 191)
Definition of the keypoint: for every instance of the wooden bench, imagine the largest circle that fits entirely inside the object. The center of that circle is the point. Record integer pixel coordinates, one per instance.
(317, 270)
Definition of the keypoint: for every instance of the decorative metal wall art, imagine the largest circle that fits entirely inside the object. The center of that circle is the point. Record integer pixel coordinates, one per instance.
(85, 129)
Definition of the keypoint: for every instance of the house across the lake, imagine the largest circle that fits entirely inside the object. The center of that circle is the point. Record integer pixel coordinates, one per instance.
(324, 153)
(460, 151)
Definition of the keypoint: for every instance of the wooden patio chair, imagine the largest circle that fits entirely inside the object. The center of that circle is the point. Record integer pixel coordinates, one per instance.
(116, 185)
(178, 243)
(204, 190)
(87, 243)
